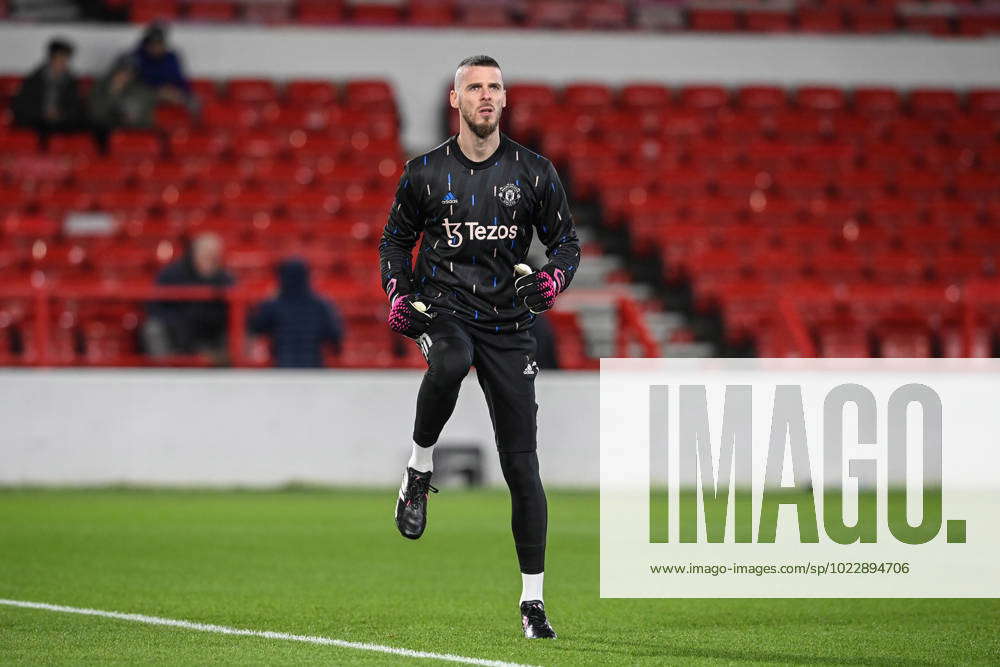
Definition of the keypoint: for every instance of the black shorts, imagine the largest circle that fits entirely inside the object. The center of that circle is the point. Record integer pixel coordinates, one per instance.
(506, 368)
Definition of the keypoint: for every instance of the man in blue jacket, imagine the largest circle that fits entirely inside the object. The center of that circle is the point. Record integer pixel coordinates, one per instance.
(298, 321)
(160, 68)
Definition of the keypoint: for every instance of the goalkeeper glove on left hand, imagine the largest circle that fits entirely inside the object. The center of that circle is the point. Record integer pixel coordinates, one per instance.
(537, 290)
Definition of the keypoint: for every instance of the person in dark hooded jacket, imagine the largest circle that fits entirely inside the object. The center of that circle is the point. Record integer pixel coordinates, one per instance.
(298, 321)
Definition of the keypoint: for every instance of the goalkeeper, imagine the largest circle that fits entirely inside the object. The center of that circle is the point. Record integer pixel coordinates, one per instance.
(474, 204)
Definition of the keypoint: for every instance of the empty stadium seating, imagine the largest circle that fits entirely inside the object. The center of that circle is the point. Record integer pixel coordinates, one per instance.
(305, 167)
(864, 221)
(872, 199)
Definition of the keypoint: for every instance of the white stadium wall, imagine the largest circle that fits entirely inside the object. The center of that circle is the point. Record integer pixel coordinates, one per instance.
(419, 62)
(267, 428)
(261, 428)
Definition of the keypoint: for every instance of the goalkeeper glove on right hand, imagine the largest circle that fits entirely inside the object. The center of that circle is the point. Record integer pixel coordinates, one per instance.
(409, 317)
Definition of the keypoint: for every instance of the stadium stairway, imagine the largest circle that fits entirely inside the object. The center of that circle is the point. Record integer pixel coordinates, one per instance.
(601, 279)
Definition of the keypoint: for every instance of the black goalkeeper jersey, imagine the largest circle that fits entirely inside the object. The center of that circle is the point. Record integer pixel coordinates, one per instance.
(477, 220)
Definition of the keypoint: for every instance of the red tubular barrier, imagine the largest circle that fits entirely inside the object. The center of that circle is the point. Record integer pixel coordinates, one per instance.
(42, 325)
(632, 324)
(44, 295)
(796, 328)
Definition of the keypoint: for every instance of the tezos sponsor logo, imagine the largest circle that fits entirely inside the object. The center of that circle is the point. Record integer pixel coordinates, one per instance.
(476, 231)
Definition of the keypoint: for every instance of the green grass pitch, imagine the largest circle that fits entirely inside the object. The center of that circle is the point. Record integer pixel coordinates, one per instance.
(330, 563)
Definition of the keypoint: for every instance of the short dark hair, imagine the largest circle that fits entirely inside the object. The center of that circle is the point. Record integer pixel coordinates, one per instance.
(475, 61)
(60, 45)
(479, 61)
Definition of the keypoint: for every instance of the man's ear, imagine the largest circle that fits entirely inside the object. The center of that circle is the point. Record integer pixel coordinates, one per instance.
(453, 99)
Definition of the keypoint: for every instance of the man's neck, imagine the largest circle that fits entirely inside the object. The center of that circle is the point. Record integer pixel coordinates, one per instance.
(475, 148)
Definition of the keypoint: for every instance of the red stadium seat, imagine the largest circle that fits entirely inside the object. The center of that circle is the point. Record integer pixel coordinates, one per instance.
(30, 226)
(876, 100)
(314, 203)
(821, 19)
(135, 145)
(191, 200)
(257, 144)
(301, 118)
(306, 91)
(821, 98)
(371, 93)
(934, 102)
(103, 175)
(253, 91)
(861, 184)
(126, 202)
(605, 15)
(932, 24)
(206, 90)
(645, 96)
(554, 14)
(588, 96)
(873, 21)
(211, 11)
(229, 116)
(486, 16)
(18, 142)
(149, 11)
(535, 95)
(76, 146)
(9, 85)
(375, 14)
(714, 20)
(704, 98)
(268, 11)
(984, 100)
(974, 131)
(956, 214)
(893, 212)
(172, 118)
(431, 15)
(768, 21)
(186, 144)
(320, 11)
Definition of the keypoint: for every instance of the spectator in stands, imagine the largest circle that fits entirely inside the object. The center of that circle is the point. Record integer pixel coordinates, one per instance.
(191, 327)
(120, 99)
(160, 68)
(298, 321)
(48, 99)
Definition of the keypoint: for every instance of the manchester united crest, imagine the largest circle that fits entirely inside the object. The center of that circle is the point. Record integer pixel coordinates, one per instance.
(509, 195)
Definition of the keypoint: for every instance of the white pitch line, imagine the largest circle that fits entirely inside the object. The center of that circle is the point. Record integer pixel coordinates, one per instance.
(266, 634)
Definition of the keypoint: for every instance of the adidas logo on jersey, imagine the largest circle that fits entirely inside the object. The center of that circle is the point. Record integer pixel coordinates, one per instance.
(449, 199)
(531, 368)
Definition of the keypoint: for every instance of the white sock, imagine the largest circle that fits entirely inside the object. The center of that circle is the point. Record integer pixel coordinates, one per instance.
(531, 586)
(422, 458)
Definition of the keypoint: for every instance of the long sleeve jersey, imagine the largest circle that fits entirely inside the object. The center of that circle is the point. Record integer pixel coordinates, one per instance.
(474, 222)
